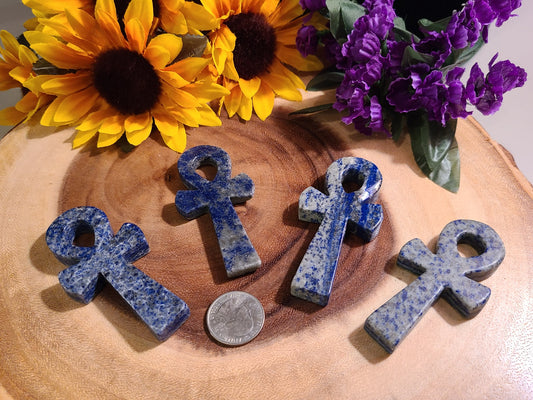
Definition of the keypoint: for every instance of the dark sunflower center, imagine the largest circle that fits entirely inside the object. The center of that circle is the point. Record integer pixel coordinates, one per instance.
(127, 81)
(255, 45)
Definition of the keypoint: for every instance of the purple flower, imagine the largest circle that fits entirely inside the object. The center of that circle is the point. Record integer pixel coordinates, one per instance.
(380, 20)
(362, 48)
(312, 5)
(486, 92)
(456, 107)
(437, 45)
(333, 49)
(395, 55)
(504, 9)
(482, 11)
(425, 89)
(457, 32)
(307, 40)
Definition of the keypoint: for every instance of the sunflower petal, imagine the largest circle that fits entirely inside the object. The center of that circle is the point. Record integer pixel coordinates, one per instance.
(110, 27)
(75, 106)
(26, 56)
(11, 116)
(172, 79)
(27, 104)
(187, 116)
(286, 11)
(105, 139)
(268, 7)
(283, 87)
(250, 87)
(137, 122)
(60, 85)
(198, 18)
(63, 56)
(181, 97)
(232, 101)
(158, 56)
(19, 74)
(189, 68)
(83, 137)
(208, 117)
(292, 57)
(47, 118)
(245, 109)
(137, 36)
(34, 37)
(172, 132)
(81, 22)
(113, 125)
(263, 101)
(142, 11)
(205, 91)
(278, 68)
(10, 43)
(106, 6)
(94, 119)
(171, 43)
(173, 20)
(137, 137)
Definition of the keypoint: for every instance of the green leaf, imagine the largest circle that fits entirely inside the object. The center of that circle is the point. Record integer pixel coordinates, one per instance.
(437, 26)
(403, 35)
(461, 56)
(435, 150)
(193, 46)
(312, 110)
(343, 14)
(412, 57)
(398, 122)
(448, 173)
(325, 79)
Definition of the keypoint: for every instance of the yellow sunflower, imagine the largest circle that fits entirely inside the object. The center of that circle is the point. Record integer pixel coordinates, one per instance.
(175, 16)
(121, 83)
(251, 48)
(16, 67)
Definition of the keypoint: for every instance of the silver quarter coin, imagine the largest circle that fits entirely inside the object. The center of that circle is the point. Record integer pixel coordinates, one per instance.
(235, 318)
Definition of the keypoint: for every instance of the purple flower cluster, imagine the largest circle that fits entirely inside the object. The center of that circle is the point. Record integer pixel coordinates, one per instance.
(364, 64)
(313, 5)
(385, 73)
(486, 92)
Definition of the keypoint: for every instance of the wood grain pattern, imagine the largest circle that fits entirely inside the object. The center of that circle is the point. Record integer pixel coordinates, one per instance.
(52, 347)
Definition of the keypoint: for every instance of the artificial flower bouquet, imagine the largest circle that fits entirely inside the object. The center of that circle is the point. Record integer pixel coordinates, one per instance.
(394, 75)
(116, 70)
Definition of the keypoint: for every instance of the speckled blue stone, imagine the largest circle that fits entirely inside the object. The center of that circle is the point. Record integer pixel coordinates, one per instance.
(110, 257)
(446, 273)
(217, 198)
(336, 213)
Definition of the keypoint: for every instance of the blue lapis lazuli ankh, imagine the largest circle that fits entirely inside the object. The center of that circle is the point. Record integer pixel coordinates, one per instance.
(217, 197)
(109, 259)
(337, 211)
(446, 274)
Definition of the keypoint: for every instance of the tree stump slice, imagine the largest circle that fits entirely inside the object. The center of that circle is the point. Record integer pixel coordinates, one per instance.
(52, 347)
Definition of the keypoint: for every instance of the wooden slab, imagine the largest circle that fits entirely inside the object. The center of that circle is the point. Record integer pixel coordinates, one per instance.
(52, 347)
